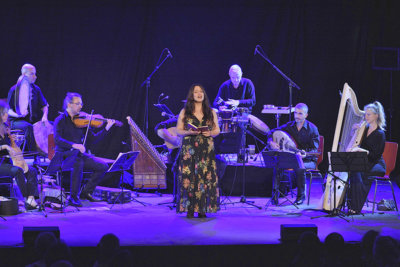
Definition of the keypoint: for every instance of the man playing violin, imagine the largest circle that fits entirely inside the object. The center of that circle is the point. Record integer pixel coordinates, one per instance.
(306, 136)
(69, 143)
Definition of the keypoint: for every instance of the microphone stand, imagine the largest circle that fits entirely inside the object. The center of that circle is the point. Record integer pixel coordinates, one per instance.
(290, 82)
(147, 84)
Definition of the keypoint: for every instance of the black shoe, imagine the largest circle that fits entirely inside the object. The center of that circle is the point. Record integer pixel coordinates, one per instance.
(74, 201)
(299, 200)
(89, 197)
(30, 207)
(201, 215)
(190, 214)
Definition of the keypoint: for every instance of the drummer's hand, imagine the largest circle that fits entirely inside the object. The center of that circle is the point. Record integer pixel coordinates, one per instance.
(222, 107)
(206, 133)
(110, 123)
(80, 147)
(232, 102)
(273, 145)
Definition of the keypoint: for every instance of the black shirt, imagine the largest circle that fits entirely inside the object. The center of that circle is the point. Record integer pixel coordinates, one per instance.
(245, 93)
(375, 144)
(36, 104)
(306, 139)
(66, 133)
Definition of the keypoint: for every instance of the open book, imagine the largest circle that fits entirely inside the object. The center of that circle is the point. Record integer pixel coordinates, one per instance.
(195, 128)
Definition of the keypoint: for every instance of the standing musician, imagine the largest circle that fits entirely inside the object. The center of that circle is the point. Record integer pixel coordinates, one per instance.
(27, 181)
(69, 147)
(373, 142)
(306, 136)
(27, 104)
(236, 92)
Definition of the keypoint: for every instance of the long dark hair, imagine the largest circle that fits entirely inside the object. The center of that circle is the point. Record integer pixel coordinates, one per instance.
(3, 109)
(207, 110)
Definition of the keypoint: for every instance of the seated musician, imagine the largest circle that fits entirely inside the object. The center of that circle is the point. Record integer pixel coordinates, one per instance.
(27, 105)
(236, 92)
(70, 148)
(373, 142)
(306, 136)
(27, 182)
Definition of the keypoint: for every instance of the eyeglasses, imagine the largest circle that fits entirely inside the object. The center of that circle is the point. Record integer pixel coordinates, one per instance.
(78, 104)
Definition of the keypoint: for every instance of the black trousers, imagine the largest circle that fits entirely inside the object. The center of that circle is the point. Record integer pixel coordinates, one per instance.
(89, 163)
(300, 175)
(27, 182)
(27, 128)
(360, 184)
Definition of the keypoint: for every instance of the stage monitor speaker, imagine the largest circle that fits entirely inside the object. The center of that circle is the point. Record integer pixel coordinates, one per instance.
(29, 233)
(292, 232)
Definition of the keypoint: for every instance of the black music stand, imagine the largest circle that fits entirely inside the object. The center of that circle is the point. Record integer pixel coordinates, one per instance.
(123, 162)
(344, 162)
(280, 160)
(242, 159)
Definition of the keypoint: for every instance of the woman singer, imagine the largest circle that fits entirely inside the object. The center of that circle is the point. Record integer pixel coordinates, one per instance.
(198, 181)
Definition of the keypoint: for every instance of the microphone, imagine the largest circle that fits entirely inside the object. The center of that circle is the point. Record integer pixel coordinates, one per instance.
(169, 53)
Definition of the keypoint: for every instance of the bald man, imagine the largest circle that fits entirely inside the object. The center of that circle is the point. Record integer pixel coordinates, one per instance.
(27, 105)
(237, 91)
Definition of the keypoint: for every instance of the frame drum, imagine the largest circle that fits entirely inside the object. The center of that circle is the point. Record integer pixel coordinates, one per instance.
(258, 125)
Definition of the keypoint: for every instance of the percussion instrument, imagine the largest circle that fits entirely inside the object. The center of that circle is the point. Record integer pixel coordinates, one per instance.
(258, 125)
(41, 131)
(225, 118)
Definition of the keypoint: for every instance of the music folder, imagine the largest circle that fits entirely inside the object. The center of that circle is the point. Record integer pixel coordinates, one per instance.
(123, 161)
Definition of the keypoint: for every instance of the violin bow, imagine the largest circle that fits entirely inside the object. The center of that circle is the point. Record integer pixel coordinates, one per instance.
(87, 129)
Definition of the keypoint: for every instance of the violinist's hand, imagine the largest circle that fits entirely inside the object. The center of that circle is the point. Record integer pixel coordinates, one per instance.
(44, 119)
(110, 123)
(80, 147)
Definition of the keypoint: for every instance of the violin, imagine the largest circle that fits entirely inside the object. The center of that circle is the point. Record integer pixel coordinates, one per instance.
(82, 120)
(16, 154)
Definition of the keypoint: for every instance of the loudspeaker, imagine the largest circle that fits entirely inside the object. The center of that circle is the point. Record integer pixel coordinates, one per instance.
(292, 232)
(29, 233)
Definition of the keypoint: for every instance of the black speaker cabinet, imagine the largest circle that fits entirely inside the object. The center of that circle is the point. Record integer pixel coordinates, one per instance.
(30, 233)
(292, 232)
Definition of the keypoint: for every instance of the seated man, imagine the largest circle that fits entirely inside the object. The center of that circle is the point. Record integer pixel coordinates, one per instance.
(27, 105)
(306, 136)
(70, 148)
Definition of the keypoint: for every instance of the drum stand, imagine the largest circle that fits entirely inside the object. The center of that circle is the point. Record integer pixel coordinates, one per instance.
(242, 153)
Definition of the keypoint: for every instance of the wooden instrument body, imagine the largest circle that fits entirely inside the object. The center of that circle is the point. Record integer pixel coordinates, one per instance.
(149, 168)
(346, 136)
(17, 155)
(41, 131)
(287, 144)
(96, 121)
(173, 132)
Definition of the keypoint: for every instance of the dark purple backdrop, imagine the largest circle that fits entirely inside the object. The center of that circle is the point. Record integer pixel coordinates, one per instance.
(105, 50)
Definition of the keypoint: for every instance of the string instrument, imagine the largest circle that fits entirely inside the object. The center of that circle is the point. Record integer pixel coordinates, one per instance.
(172, 131)
(16, 154)
(286, 144)
(83, 119)
(346, 137)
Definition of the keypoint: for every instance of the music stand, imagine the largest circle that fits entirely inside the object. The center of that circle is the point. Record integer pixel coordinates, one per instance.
(280, 160)
(123, 162)
(344, 162)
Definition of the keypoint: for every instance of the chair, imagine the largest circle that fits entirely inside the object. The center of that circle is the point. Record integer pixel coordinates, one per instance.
(9, 181)
(389, 156)
(316, 171)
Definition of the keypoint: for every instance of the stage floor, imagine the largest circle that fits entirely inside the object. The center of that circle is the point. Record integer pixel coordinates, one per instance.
(158, 225)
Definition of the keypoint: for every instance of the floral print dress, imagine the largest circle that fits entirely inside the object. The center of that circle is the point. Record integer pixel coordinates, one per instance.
(198, 181)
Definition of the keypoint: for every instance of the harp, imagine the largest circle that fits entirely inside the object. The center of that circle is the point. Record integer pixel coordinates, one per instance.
(149, 168)
(346, 137)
